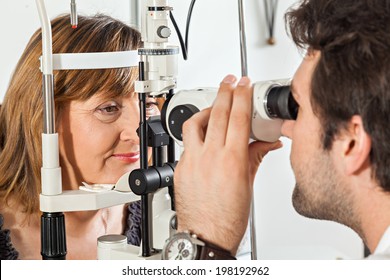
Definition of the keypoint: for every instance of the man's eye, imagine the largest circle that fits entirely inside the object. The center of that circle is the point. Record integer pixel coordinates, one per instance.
(152, 108)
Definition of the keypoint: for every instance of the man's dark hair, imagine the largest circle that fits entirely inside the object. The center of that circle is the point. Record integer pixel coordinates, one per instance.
(352, 76)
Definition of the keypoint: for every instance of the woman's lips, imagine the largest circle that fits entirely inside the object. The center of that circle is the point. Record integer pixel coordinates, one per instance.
(128, 158)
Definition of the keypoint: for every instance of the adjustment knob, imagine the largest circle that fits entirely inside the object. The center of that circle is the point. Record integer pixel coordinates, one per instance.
(144, 181)
(163, 31)
(178, 116)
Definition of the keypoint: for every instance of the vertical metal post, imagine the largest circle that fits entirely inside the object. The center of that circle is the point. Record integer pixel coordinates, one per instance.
(135, 14)
(158, 157)
(53, 234)
(143, 138)
(48, 104)
(171, 158)
(244, 64)
(253, 231)
(244, 72)
(73, 14)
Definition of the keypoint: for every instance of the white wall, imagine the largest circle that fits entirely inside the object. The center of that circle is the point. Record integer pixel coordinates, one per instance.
(213, 53)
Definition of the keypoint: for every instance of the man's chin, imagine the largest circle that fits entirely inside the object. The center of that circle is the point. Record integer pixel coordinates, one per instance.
(303, 205)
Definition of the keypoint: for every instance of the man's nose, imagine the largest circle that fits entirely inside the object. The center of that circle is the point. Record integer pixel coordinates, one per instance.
(287, 128)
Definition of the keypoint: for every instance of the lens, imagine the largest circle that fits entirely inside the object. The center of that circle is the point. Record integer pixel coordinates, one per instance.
(281, 104)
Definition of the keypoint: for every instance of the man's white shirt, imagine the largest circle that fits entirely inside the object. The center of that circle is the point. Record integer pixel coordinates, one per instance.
(382, 251)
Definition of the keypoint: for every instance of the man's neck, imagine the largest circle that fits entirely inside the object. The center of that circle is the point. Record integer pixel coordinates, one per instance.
(375, 217)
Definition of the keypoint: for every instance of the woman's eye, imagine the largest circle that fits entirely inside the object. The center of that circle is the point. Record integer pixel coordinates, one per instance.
(108, 112)
(109, 109)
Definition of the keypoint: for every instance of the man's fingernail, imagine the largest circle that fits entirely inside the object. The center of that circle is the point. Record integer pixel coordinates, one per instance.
(244, 81)
(229, 79)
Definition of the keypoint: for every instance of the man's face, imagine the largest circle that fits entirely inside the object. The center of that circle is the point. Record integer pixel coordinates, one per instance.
(318, 192)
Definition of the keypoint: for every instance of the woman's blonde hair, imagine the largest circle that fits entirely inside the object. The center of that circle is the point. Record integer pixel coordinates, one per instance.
(21, 115)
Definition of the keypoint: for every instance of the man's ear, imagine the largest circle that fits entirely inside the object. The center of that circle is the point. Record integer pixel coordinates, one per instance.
(356, 146)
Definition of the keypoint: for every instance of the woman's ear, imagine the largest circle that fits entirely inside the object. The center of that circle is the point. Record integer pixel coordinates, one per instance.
(356, 146)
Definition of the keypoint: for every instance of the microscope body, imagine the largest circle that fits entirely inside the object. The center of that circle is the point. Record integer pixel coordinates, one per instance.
(271, 103)
(160, 60)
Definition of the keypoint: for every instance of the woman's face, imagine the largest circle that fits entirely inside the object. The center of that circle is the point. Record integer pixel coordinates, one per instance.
(98, 139)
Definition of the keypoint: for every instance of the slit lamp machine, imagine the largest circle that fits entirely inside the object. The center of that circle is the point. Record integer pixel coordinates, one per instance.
(153, 185)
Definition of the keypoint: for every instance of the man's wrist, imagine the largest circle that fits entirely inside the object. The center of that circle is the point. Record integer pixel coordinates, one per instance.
(214, 239)
(188, 246)
(211, 251)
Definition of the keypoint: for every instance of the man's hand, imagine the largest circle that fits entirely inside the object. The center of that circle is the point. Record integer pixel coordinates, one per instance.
(214, 177)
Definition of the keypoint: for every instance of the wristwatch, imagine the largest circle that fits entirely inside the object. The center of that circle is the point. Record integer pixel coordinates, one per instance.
(186, 246)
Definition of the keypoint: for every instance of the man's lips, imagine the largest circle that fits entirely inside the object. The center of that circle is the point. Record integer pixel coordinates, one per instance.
(128, 157)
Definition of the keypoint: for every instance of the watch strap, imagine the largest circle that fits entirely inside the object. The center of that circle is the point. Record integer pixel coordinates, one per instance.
(213, 252)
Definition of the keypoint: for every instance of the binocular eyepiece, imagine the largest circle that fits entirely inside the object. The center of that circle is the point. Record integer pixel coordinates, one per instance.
(272, 103)
(281, 104)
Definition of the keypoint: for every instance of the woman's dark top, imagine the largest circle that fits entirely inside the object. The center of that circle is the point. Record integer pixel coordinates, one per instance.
(132, 231)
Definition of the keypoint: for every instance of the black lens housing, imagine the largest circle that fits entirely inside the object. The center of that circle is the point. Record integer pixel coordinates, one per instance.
(281, 104)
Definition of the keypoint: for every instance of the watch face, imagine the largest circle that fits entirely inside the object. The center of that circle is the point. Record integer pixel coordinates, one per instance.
(180, 247)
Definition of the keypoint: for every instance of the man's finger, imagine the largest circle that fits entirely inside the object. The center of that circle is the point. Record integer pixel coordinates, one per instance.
(220, 113)
(194, 129)
(240, 116)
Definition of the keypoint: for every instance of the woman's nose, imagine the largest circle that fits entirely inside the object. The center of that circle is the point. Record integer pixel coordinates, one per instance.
(287, 128)
(129, 126)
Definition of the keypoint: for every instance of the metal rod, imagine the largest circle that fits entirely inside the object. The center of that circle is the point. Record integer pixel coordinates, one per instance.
(143, 126)
(244, 65)
(48, 104)
(253, 231)
(244, 72)
(135, 14)
(143, 138)
(171, 156)
(73, 14)
(171, 146)
(53, 234)
(158, 157)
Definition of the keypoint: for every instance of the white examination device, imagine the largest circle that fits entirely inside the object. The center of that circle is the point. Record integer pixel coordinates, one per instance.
(272, 102)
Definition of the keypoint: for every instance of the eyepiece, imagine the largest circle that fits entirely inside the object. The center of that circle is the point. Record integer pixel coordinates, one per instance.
(279, 103)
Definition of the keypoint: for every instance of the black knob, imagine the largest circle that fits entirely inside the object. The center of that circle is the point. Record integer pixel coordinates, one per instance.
(178, 116)
(143, 181)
